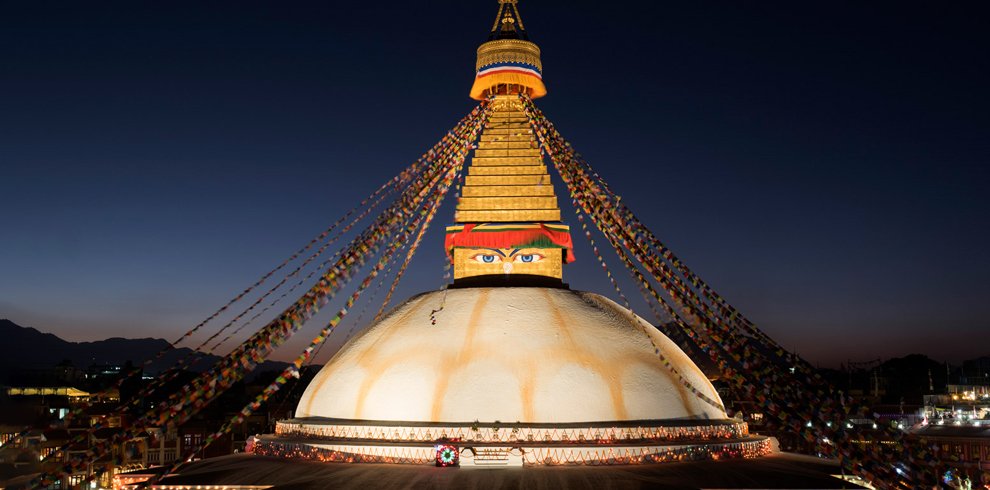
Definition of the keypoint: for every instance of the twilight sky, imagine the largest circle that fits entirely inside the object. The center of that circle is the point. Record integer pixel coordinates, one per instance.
(822, 164)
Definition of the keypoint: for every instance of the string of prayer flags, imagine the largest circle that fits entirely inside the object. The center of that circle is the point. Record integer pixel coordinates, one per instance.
(757, 368)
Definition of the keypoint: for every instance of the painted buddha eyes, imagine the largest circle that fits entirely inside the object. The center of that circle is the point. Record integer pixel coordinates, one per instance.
(496, 258)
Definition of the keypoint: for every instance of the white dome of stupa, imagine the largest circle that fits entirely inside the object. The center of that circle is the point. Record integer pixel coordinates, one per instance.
(525, 354)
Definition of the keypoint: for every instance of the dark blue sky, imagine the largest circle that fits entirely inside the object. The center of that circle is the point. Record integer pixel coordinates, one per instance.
(822, 164)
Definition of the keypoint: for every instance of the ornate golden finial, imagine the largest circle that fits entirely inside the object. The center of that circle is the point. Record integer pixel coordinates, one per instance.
(515, 7)
(508, 16)
(508, 23)
(508, 63)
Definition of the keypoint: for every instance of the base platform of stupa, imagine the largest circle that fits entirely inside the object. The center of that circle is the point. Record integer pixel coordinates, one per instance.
(515, 444)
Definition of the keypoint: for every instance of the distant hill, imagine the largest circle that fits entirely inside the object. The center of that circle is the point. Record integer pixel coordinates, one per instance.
(28, 348)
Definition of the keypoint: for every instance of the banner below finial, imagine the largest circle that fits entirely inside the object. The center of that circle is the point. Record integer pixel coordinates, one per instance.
(508, 63)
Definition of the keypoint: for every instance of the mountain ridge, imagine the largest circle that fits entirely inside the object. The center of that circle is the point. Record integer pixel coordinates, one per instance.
(27, 348)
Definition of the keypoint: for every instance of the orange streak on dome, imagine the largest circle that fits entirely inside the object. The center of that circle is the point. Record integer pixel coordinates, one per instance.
(326, 373)
(588, 359)
(464, 355)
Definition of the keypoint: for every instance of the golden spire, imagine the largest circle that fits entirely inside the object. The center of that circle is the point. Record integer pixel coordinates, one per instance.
(508, 227)
(508, 220)
(507, 180)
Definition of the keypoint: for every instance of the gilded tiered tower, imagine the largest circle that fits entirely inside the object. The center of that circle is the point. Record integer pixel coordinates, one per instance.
(508, 220)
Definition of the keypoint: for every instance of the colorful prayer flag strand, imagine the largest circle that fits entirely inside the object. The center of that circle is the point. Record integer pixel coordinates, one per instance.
(232, 367)
(195, 355)
(421, 221)
(380, 194)
(732, 342)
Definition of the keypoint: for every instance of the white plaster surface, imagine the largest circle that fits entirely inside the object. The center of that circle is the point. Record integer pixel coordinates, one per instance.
(536, 355)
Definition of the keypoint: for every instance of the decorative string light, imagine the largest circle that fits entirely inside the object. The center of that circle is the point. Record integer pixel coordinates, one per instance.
(532, 455)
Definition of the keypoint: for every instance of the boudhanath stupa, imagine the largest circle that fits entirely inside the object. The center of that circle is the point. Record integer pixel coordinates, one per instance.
(508, 365)
(506, 377)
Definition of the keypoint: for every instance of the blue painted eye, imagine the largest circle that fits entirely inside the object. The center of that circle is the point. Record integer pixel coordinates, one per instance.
(529, 258)
(525, 258)
(487, 258)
